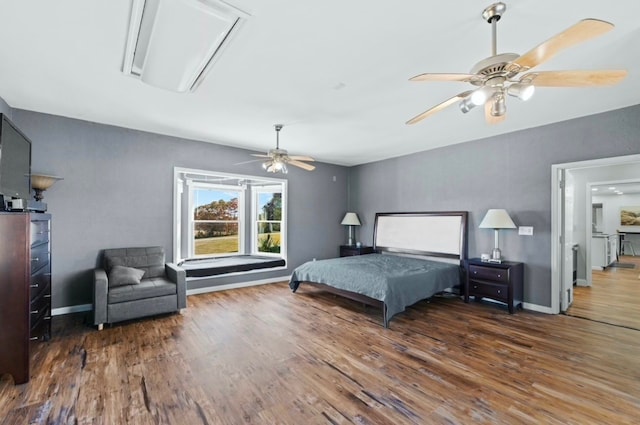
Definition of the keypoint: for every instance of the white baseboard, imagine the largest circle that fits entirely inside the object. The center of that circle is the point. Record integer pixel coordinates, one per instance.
(79, 308)
(581, 282)
(538, 308)
(71, 309)
(236, 285)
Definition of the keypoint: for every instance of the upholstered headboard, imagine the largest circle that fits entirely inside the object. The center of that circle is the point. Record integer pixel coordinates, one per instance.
(434, 234)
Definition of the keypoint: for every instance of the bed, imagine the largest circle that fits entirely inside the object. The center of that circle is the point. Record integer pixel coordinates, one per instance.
(417, 256)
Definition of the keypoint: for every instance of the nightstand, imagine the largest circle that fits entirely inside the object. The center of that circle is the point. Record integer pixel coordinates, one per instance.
(351, 250)
(498, 281)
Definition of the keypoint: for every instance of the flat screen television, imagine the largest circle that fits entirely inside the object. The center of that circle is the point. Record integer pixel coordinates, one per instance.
(15, 162)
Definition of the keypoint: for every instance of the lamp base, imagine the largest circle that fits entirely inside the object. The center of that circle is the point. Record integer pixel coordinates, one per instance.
(496, 255)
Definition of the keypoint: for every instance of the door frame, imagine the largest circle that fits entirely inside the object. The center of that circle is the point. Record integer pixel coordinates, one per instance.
(557, 212)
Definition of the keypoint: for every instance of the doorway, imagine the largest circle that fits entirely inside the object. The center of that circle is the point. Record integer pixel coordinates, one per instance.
(570, 228)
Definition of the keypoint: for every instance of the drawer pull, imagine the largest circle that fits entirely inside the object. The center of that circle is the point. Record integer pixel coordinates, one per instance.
(35, 285)
(33, 338)
(47, 318)
(48, 296)
(499, 291)
(499, 275)
(475, 286)
(35, 312)
(35, 259)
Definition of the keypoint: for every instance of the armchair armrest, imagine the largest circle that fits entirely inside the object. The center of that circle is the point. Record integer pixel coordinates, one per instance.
(100, 289)
(179, 276)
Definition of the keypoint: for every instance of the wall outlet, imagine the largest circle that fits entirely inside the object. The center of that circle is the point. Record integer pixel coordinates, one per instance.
(525, 230)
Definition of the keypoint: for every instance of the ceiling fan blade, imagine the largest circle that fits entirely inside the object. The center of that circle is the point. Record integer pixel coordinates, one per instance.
(491, 119)
(574, 78)
(301, 158)
(439, 107)
(578, 33)
(248, 162)
(260, 155)
(443, 77)
(302, 165)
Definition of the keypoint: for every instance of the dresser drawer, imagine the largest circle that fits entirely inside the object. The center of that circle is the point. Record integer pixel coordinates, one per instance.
(39, 257)
(41, 281)
(491, 290)
(41, 328)
(39, 232)
(40, 304)
(488, 273)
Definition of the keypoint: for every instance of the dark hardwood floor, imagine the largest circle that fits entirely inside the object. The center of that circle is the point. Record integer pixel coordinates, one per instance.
(613, 297)
(263, 355)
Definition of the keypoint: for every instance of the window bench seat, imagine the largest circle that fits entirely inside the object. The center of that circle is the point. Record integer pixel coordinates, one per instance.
(233, 264)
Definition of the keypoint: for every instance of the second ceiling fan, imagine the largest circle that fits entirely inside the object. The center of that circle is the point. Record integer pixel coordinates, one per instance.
(278, 159)
(502, 74)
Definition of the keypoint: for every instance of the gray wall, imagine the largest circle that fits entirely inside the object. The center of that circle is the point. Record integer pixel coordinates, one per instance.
(511, 171)
(117, 191)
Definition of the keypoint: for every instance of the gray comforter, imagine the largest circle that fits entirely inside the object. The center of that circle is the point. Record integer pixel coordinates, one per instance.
(397, 281)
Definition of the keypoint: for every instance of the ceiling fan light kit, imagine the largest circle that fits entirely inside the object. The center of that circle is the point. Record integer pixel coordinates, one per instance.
(498, 75)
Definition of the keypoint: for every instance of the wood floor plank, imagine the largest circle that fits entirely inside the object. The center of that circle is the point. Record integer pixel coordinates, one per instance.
(263, 355)
(612, 297)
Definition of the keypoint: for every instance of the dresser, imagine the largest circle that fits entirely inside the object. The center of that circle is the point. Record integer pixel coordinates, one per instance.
(25, 289)
(499, 281)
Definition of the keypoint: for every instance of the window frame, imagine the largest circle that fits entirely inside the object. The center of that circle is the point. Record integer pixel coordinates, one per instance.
(193, 186)
(181, 207)
(255, 193)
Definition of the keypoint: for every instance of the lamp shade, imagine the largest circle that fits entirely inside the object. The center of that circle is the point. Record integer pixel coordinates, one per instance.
(351, 219)
(497, 219)
(43, 182)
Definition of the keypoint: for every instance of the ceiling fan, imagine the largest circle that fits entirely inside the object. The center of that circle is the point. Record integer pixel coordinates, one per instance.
(500, 75)
(278, 159)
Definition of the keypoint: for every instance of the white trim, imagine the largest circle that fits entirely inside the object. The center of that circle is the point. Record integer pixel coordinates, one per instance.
(78, 308)
(236, 285)
(538, 308)
(556, 212)
(582, 282)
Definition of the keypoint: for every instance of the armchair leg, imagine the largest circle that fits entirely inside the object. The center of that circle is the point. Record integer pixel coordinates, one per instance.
(101, 326)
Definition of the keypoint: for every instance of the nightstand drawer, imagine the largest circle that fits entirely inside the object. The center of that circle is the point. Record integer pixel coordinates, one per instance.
(352, 250)
(491, 290)
(488, 273)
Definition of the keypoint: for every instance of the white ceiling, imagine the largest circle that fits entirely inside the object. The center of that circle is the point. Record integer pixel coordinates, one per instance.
(333, 71)
(615, 189)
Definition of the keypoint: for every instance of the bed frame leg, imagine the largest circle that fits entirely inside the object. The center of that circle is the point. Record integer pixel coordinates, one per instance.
(295, 286)
(385, 320)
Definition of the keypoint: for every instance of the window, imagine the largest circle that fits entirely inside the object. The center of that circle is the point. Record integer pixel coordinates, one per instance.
(267, 220)
(216, 225)
(220, 214)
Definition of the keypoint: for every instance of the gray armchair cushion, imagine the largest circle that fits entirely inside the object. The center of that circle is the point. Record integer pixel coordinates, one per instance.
(149, 259)
(121, 275)
(148, 288)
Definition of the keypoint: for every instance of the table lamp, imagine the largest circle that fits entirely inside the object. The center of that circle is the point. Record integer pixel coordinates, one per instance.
(497, 219)
(350, 219)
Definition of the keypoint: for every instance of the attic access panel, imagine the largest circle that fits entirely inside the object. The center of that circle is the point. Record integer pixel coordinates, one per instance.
(172, 44)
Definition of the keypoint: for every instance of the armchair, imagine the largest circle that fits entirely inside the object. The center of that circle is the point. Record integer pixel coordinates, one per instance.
(136, 282)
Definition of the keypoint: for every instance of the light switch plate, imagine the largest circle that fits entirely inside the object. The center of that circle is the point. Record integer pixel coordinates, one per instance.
(525, 230)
